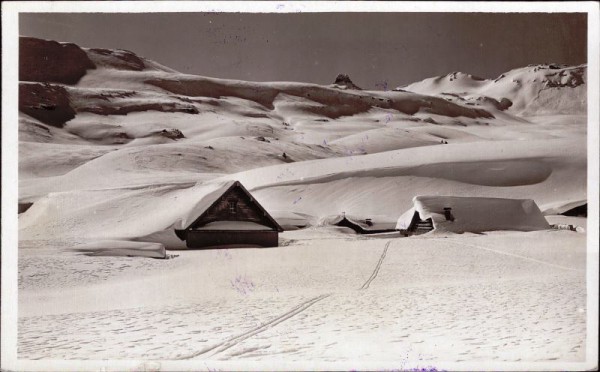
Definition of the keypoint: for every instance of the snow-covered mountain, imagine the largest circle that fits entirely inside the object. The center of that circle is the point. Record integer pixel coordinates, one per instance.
(116, 151)
(531, 90)
(106, 135)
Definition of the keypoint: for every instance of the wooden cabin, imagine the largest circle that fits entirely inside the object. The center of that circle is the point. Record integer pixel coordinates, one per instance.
(373, 225)
(230, 217)
(455, 214)
(417, 226)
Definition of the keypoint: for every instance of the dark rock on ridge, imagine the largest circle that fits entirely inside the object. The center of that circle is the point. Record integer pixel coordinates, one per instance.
(50, 61)
(343, 79)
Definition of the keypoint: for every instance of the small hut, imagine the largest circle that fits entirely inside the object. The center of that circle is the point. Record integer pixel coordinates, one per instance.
(230, 217)
(470, 214)
(364, 225)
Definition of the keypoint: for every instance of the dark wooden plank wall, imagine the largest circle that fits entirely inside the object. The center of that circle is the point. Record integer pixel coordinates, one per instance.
(210, 238)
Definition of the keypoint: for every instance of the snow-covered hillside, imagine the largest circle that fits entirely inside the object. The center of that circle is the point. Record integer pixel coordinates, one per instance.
(532, 90)
(129, 126)
(116, 151)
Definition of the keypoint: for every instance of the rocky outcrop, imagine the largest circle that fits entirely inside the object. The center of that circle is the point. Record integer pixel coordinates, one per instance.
(47, 103)
(50, 61)
(345, 81)
(501, 105)
(125, 109)
(171, 133)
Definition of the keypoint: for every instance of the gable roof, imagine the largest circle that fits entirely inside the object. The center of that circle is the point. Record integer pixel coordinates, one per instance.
(379, 223)
(210, 199)
(474, 214)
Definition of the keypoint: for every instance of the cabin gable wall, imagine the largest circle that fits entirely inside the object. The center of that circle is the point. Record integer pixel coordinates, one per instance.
(234, 205)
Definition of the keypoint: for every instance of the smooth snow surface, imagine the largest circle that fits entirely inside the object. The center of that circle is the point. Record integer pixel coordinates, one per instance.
(122, 248)
(325, 297)
(476, 215)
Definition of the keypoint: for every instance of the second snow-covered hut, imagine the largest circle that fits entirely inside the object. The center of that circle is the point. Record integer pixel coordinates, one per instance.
(470, 214)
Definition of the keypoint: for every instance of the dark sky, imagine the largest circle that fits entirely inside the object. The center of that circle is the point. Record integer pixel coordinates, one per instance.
(373, 48)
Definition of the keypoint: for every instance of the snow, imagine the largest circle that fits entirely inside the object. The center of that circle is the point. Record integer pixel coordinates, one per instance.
(122, 248)
(290, 220)
(234, 225)
(431, 301)
(109, 185)
(212, 194)
(376, 222)
(532, 90)
(475, 214)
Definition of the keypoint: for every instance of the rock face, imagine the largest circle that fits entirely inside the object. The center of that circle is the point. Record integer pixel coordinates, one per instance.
(48, 103)
(344, 80)
(50, 61)
(501, 105)
(171, 133)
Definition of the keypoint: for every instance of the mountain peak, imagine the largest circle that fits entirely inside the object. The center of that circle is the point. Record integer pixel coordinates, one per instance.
(344, 80)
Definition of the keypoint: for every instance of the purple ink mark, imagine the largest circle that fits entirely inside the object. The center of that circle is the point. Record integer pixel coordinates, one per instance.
(225, 254)
(297, 200)
(242, 285)
(388, 118)
(415, 369)
(383, 85)
(211, 369)
(325, 142)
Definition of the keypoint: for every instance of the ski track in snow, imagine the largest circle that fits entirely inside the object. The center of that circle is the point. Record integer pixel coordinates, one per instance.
(432, 302)
(233, 341)
(377, 267)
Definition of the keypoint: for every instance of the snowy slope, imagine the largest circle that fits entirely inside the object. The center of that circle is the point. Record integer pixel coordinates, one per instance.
(117, 151)
(531, 90)
(542, 170)
(137, 143)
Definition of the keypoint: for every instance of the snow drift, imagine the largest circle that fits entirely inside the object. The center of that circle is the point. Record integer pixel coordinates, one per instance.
(469, 214)
(122, 248)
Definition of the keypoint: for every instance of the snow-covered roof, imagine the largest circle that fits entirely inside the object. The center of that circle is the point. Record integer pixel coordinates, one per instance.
(213, 192)
(472, 214)
(376, 222)
(290, 220)
(235, 225)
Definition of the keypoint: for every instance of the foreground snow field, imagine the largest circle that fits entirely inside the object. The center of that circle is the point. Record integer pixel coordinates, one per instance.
(325, 296)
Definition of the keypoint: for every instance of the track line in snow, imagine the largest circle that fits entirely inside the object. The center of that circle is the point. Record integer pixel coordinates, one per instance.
(222, 346)
(377, 267)
(510, 254)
